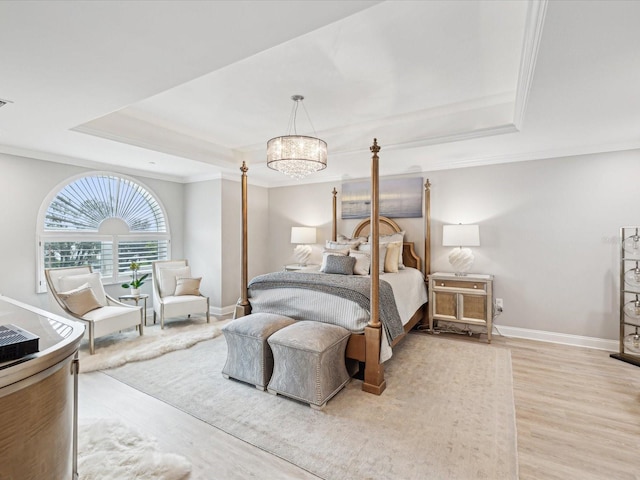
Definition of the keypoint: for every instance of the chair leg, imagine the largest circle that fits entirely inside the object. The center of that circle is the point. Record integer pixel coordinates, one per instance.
(208, 313)
(92, 346)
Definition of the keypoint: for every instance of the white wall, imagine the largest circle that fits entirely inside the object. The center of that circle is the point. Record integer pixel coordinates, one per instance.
(548, 232)
(548, 229)
(258, 229)
(203, 234)
(24, 185)
(213, 235)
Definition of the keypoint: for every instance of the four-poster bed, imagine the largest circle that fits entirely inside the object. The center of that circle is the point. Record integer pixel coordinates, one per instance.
(370, 344)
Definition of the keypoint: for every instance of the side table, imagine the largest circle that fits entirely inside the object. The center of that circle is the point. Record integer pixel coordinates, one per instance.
(463, 299)
(295, 267)
(137, 298)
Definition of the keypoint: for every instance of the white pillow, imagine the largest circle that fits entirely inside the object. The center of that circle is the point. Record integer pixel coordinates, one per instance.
(329, 245)
(167, 280)
(392, 237)
(382, 248)
(72, 282)
(357, 240)
(363, 262)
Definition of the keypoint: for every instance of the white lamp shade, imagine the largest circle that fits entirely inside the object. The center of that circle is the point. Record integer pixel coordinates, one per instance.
(460, 235)
(303, 235)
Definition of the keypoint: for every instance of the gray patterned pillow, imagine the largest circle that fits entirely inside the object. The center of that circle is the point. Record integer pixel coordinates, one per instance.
(339, 264)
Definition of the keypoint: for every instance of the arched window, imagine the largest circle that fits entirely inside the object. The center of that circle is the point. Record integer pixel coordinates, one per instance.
(103, 220)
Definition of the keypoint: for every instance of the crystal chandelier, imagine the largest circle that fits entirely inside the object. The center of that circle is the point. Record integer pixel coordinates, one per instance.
(297, 155)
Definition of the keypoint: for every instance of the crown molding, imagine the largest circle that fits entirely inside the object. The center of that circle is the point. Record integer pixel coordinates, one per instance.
(530, 46)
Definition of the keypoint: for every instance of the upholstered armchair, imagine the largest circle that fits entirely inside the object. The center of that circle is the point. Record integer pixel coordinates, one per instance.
(175, 292)
(80, 294)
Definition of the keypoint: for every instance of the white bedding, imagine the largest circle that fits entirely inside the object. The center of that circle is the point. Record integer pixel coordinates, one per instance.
(408, 287)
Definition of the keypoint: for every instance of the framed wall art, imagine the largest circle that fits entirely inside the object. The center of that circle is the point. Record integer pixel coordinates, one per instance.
(399, 198)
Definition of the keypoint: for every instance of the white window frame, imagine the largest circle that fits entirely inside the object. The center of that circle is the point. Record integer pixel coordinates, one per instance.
(93, 236)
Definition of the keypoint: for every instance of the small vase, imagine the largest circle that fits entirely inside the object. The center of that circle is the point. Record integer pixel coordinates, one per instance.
(135, 291)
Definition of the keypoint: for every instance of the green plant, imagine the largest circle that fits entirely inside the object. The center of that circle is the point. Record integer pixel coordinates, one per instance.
(136, 281)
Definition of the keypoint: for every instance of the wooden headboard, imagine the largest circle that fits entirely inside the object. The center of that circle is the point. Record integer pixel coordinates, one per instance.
(387, 227)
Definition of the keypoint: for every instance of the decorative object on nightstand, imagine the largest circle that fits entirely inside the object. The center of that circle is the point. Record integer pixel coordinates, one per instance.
(303, 236)
(296, 267)
(467, 299)
(629, 346)
(460, 236)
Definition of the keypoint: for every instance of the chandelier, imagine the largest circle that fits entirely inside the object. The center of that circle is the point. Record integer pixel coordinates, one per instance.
(297, 155)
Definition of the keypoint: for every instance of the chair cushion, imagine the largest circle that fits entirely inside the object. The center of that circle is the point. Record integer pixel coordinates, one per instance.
(167, 280)
(80, 300)
(113, 318)
(187, 286)
(67, 283)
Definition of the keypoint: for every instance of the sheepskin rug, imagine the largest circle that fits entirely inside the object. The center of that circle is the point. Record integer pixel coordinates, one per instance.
(111, 450)
(120, 348)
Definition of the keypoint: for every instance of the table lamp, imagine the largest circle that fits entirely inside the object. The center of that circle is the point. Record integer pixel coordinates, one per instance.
(460, 236)
(303, 236)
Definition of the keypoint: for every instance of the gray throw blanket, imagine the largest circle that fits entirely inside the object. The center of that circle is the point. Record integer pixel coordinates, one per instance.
(354, 288)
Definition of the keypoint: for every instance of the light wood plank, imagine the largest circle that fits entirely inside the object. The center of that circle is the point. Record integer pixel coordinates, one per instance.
(577, 411)
(577, 414)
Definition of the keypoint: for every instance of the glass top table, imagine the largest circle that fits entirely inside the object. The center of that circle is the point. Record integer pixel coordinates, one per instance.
(59, 338)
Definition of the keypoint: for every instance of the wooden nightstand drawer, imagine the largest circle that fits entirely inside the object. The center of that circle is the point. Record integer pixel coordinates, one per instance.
(465, 284)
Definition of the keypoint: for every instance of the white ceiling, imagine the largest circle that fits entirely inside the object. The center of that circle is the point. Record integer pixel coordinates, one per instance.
(188, 90)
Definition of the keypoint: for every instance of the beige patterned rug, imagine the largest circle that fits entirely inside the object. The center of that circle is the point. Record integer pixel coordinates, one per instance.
(447, 413)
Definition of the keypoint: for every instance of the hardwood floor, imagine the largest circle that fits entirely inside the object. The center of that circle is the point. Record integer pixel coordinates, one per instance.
(577, 412)
(577, 415)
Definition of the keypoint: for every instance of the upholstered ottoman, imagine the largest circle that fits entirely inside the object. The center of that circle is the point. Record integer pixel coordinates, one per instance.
(308, 361)
(249, 357)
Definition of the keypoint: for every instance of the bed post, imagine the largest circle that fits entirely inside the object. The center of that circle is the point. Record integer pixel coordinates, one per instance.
(243, 307)
(427, 228)
(374, 381)
(334, 219)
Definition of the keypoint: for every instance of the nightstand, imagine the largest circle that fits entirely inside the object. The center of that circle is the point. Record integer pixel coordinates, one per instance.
(294, 267)
(461, 298)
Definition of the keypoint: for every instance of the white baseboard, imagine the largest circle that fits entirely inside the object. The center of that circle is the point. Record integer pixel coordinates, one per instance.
(553, 337)
(229, 309)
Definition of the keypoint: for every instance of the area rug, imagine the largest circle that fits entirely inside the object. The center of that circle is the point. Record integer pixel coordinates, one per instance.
(128, 346)
(447, 413)
(111, 450)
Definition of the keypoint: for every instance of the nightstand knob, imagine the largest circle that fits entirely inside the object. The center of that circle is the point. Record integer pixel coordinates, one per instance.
(475, 286)
(442, 284)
